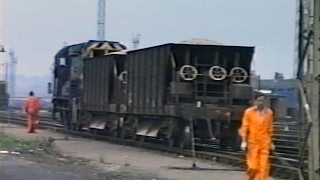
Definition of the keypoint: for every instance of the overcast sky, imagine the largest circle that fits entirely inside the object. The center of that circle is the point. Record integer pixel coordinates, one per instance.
(36, 29)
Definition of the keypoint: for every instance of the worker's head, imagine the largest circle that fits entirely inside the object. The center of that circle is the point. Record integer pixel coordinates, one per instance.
(31, 93)
(259, 100)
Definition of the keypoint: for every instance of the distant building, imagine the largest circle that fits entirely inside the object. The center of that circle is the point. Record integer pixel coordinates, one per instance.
(285, 87)
(278, 104)
(278, 76)
(255, 80)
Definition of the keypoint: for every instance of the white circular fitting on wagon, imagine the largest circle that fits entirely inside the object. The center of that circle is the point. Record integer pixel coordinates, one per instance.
(188, 72)
(217, 73)
(238, 74)
(123, 76)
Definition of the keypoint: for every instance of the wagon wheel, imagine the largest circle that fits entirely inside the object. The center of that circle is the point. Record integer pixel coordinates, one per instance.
(184, 141)
(134, 126)
(113, 121)
(238, 74)
(122, 132)
(188, 72)
(172, 131)
(217, 73)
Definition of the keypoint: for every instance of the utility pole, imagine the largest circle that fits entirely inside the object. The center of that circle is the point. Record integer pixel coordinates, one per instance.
(1, 71)
(7, 72)
(101, 19)
(13, 63)
(314, 165)
(308, 71)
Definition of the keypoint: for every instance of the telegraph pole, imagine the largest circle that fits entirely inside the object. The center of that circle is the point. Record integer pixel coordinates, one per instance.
(308, 71)
(13, 63)
(314, 142)
(1, 46)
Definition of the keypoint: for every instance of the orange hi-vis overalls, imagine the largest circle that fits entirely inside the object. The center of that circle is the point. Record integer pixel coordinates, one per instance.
(257, 130)
(32, 108)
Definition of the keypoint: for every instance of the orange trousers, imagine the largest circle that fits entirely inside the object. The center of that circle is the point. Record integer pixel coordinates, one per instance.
(258, 160)
(32, 121)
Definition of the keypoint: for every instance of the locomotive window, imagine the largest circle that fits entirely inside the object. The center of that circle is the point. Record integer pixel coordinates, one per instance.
(98, 53)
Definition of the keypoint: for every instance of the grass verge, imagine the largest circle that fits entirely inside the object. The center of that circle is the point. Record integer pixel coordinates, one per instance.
(10, 143)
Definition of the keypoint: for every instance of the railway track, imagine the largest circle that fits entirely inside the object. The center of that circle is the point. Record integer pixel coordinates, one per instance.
(285, 160)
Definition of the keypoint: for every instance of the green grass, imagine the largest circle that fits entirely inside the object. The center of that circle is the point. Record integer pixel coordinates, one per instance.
(11, 143)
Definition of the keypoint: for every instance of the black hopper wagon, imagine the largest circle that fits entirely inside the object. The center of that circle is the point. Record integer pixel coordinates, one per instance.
(152, 93)
(67, 85)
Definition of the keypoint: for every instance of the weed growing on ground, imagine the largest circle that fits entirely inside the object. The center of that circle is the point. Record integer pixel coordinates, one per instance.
(102, 161)
(11, 143)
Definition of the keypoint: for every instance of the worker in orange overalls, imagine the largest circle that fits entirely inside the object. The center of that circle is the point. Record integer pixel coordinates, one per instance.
(256, 132)
(32, 108)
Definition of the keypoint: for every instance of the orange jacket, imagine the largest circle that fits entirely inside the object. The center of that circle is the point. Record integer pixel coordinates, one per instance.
(32, 105)
(257, 126)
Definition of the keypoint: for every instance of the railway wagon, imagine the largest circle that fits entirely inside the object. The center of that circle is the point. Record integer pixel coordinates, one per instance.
(4, 96)
(153, 92)
(168, 84)
(68, 75)
(104, 92)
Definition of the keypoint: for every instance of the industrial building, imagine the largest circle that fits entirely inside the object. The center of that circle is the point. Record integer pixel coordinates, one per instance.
(280, 86)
